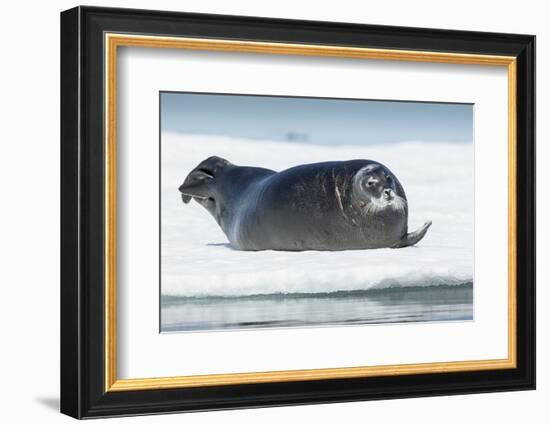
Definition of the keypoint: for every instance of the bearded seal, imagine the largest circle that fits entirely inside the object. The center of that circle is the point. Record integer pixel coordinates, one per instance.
(327, 206)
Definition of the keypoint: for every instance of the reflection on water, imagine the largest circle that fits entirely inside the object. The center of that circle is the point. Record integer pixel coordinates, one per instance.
(341, 308)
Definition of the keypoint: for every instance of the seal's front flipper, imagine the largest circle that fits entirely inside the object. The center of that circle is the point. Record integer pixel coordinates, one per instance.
(414, 237)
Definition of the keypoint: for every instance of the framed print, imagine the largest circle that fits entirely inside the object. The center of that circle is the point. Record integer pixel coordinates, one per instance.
(261, 212)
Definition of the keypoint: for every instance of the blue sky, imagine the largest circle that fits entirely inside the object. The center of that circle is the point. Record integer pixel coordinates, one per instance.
(315, 120)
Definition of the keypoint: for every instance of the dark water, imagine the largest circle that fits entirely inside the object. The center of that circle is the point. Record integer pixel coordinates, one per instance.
(393, 305)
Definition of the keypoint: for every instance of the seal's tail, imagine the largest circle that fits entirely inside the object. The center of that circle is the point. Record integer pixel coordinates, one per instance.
(198, 183)
(414, 237)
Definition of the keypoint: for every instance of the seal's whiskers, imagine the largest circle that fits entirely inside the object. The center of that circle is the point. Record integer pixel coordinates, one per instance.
(398, 203)
(377, 205)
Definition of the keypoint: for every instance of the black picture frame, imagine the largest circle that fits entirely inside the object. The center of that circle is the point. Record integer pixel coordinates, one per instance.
(83, 392)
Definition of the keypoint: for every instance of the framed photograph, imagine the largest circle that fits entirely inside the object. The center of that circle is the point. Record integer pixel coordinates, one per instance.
(261, 212)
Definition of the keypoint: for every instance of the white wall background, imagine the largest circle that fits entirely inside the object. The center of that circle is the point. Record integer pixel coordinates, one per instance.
(29, 224)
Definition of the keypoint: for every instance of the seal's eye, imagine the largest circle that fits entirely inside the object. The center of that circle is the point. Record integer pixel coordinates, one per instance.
(371, 183)
(389, 179)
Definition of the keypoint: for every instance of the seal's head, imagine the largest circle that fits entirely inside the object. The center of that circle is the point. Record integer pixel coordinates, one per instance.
(200, 184)
(378, 190)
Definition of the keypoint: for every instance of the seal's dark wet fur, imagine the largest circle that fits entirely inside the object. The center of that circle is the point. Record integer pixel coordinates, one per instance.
(326, 206)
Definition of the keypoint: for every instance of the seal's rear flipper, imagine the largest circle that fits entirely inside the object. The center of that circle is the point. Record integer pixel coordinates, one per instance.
(414, 237)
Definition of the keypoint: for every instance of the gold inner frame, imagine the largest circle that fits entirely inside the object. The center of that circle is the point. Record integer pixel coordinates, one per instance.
(113, 41)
